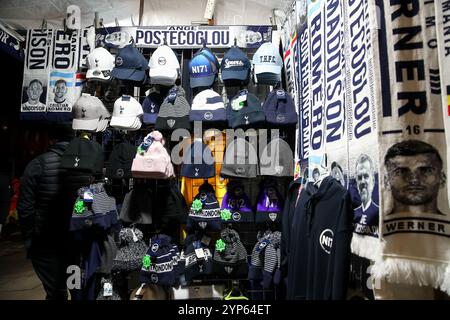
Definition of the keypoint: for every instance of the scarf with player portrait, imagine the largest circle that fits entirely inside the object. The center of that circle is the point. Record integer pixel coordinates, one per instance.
(414, 211)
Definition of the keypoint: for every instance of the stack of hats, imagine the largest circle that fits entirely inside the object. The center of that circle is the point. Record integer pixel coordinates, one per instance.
(100, 63)
(235, 68)
(196, 259)
(277, 159)
(151, 105)
(120, 161)
(130, 65)
(267, 64)
(240, 160)
(270, 203)
(208, 106)
(158, 263)
(127, 113)
(174, 111)
(237, 203)
(132, 249)
(245, 110)
(93, 207)
(89, 114)
(279, 109)
(205, 210)
(265, 261)
(198, 162)
(152, 159)
(83, 155)
(230, 256)
(164, 66)
(203, 69)
(137, 206)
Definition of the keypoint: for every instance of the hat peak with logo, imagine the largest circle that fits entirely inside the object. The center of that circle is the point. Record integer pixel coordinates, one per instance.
(164, 66)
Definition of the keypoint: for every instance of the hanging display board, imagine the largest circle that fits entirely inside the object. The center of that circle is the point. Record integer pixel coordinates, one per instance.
(185, 37)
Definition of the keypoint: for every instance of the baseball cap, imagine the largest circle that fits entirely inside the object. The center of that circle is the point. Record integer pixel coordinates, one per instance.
(279, 108)
(100, 63)
(208, 106)
(267, 64)
(202, 71)
(150, 106)
(127, 111)
(130, 64)
(164, 66)
(89, 114)
(235, 67)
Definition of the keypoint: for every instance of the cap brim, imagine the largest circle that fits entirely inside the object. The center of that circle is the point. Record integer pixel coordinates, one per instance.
(89, 125)
(90, 75)
(235, 74)
(128, 74)
(206, 81)
(261, 68)
(122, 122)
(165, 76)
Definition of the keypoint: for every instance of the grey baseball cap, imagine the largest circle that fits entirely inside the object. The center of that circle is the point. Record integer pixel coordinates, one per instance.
(89, 114)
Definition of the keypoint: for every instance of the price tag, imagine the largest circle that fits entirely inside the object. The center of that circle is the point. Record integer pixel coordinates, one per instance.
(200, 253)
(262, 245)
(135, 238)
(107, 290)
(88, 196)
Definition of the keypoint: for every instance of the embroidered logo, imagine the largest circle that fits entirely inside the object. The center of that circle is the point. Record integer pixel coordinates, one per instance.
(236, 216)
(121, 109)
(208, 116)
(273, 216)
(120, 173)
(83, 112)
(77, 160)
(281, 118)
(233, 63)
(162, 61)
(202, 225)
(154, 278)
(171, 123)
(119, 61)
(155, 247)
(246, 120)
(196, 172)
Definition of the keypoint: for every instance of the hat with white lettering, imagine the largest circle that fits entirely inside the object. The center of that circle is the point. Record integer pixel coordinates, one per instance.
(158, 263)
(205, 210)
(164, 66)
(126, 113)
(100, 63)
(235, 67)
(89, 114)
(202, 70)
(208, 106)
(267, 64)
(130, 65)
(238, 203)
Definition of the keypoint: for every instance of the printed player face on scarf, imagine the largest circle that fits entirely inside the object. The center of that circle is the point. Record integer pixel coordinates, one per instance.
(365, 178)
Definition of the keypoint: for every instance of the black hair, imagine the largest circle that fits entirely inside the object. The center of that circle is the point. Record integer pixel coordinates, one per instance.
(335, 164)
(60, 81)
(411, 148)
(315, 170)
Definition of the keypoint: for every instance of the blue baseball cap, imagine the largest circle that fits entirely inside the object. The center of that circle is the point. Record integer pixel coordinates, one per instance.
(151, 106)
(235, 66)
(130, 64)
(202, 71)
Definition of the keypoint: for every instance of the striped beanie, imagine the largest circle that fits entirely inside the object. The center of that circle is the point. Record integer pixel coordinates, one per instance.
(230, 256)
(205, 210)
(208, 106)
(174, 111)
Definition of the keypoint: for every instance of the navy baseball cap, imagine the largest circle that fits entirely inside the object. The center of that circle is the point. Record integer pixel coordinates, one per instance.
(202, 71)
(130, 64)
(235, 66)
(151, 106)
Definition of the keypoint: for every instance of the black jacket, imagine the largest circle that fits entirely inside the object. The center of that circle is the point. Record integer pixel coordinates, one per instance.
(46, 198)
(319, 261)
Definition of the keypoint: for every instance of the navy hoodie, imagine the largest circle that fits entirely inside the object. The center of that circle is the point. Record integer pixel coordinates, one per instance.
(320, 244)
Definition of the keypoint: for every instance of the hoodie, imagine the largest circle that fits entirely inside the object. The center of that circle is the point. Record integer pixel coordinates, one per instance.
(319, 262)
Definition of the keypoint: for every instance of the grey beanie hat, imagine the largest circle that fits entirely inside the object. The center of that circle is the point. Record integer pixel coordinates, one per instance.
(276, 159)
(131, 250)
(240, 160)
(234, 252)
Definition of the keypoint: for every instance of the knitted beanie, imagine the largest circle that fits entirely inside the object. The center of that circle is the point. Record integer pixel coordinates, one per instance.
(208, 106)
(198, 162)
(230, 256)
(195, 267)
(157, 264)
(279, 109)
(250, 114)
(174, 111)
(205, 210)
(270, 203)
(257, 258)
(238, 203)
(272, 261)
(132, 249)
(240, 160)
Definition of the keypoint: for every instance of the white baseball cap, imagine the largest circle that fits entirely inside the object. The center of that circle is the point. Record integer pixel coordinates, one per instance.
(126, 113)
(267, 59)
(164, 66)
(100, 63)
(88, 111)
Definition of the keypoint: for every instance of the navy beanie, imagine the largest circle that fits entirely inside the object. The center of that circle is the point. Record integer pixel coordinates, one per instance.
(205, 210)
(250, 114)
(198, 162)
(279, 109)
(194, 267)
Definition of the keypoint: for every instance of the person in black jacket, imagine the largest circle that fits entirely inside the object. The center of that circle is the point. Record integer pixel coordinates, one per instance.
(46, 198)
